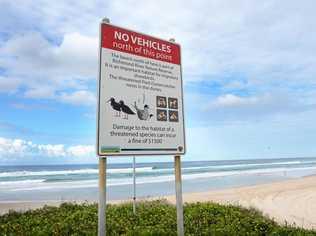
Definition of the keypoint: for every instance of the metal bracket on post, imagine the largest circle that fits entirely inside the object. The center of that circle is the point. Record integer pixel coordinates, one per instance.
(179, 202)
(106, 20)
(102, 197)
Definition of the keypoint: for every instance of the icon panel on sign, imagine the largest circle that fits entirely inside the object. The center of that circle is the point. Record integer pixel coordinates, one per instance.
(161, 102)
(172, 103)
(173, 116)
(161, 115)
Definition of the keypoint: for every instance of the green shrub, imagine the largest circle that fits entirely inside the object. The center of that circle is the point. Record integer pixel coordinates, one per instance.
(152, 218)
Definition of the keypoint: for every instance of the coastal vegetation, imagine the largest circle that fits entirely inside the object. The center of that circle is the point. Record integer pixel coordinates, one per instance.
(152, 218)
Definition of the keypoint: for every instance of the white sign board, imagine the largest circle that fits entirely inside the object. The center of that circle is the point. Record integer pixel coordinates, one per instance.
(140, 108)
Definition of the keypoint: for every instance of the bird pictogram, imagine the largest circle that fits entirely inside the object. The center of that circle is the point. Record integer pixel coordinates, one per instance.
(116, 106)
(126, 110)
(143, 114)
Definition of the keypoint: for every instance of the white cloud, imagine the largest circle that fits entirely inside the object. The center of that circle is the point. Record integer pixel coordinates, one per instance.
(276, 102)
(81, 150)
(76, 56)
(40, 92)
(9, 85)
(51, 150)
(230, 100)
(45, 69)
(22, 148)
(15, 146)
(232, 108)
(81, 97)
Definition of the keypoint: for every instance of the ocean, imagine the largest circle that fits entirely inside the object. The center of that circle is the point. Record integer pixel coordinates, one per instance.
(79, 182)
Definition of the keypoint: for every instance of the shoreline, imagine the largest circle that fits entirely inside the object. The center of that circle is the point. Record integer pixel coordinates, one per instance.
(288, 201)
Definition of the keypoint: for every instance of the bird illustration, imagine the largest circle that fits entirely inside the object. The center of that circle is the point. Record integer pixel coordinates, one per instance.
(143, 114)
(126, 110)
(116, 106)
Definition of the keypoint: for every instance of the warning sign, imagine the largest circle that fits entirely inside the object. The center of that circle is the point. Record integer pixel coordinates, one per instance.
(140, 108)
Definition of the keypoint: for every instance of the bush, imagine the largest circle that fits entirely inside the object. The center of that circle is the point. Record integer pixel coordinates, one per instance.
(152, 218)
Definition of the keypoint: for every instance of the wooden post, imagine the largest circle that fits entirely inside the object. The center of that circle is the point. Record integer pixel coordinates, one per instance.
(102, 197)
(134, 186)
(179, 203)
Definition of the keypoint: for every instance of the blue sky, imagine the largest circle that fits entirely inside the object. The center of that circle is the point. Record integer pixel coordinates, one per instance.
(249, 72)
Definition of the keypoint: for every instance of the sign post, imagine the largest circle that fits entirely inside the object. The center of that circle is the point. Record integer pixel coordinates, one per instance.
(179, 203)
(140, 103)
(134, 186)
(102, 198)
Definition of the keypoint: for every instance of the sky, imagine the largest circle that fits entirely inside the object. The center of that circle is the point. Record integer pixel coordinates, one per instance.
(249, 74)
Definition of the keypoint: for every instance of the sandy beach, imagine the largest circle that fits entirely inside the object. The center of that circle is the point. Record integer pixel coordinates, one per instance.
(291, 201)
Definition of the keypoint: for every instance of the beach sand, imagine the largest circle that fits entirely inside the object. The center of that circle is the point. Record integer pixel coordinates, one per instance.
(291, 201)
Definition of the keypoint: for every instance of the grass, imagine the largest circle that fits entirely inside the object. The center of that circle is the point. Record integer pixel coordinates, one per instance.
(152, 218)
